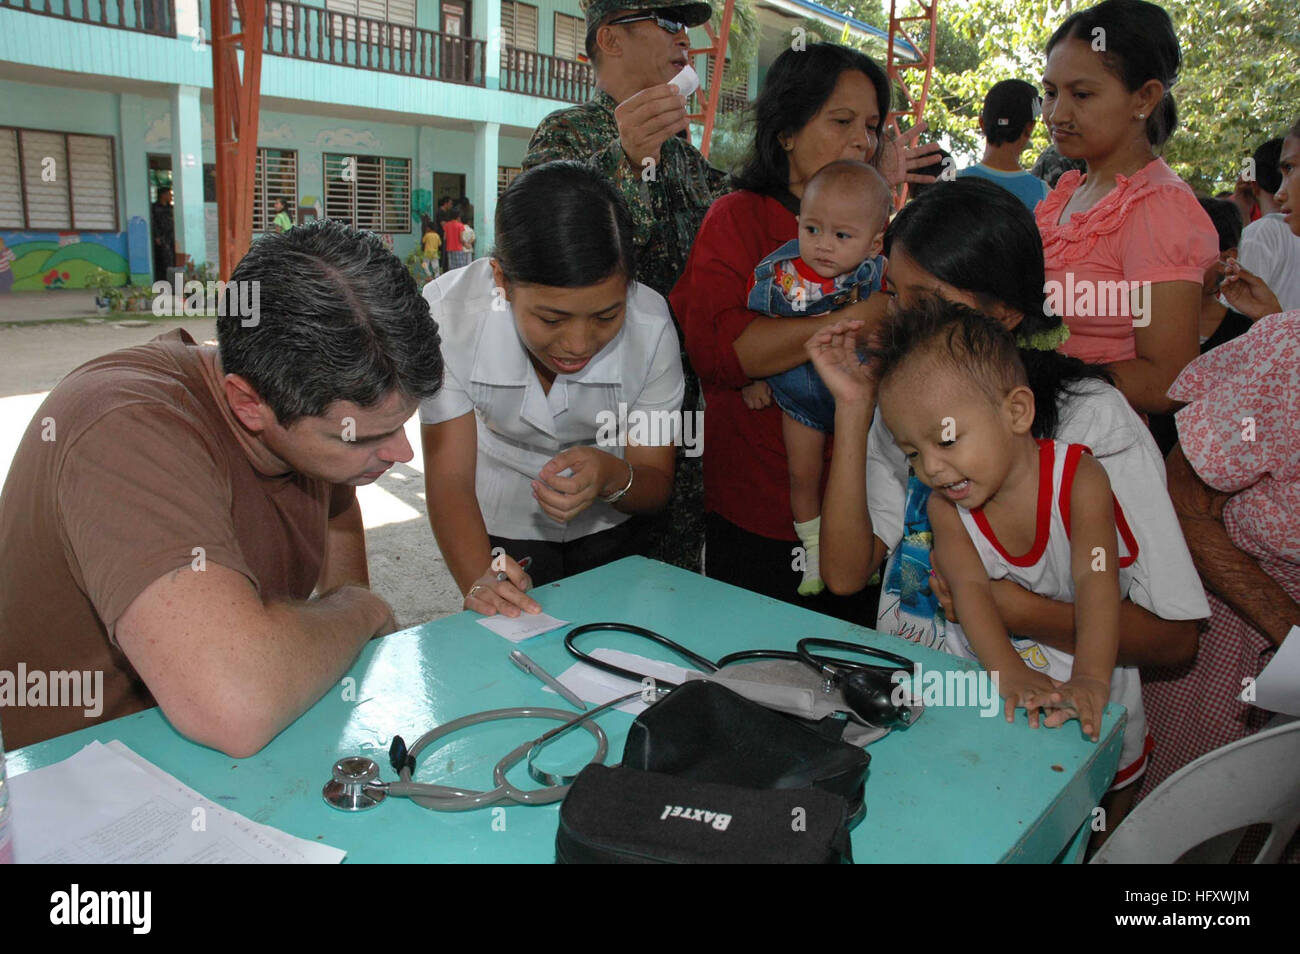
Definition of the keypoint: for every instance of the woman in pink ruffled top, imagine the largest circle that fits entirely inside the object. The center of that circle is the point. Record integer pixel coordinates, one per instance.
(1127, 244)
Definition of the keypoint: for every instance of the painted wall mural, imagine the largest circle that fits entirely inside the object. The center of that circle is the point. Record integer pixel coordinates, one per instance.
(38, 261)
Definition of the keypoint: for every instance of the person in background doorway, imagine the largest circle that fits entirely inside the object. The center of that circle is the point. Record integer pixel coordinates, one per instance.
(466, 211)
(1010, 112)
(164, 236)
(458, 256)
(440, 220)
(430, 246)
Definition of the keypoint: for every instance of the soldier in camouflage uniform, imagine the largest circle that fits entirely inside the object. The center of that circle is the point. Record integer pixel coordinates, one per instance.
(633, 131)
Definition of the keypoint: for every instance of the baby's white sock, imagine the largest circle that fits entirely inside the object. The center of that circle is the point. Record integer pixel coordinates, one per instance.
(809, 533)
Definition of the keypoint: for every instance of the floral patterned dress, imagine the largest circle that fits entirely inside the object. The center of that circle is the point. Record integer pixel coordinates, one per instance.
(1240, 431)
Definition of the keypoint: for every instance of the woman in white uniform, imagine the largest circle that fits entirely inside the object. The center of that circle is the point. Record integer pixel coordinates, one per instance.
(554, 425)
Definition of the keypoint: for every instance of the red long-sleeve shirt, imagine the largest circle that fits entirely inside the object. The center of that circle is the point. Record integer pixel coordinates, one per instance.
(746, 477)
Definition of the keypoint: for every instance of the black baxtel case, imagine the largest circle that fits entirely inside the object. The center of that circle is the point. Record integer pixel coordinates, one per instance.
(624, 815)
(706, 732)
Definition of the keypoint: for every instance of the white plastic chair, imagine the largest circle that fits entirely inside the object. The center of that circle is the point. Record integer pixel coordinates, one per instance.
(1207, 805)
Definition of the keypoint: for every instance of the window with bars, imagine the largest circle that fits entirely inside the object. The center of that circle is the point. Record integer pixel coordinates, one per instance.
(57, 181)
(505, 176)
(570, 37)
(274, 177)
(368, 192)
(519, 25)
(400, 13)
(518, 37)
(279, 14)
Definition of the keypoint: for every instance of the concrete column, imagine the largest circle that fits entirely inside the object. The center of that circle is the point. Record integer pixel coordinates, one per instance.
(487, 26)
(187, 173)
(482, 186)
(133, 188)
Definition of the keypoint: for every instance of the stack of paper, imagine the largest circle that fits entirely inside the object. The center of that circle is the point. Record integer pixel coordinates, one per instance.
(597, 686)
(107, 805)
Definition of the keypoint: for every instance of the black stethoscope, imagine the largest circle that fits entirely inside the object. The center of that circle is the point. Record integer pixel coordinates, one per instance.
(867, 688)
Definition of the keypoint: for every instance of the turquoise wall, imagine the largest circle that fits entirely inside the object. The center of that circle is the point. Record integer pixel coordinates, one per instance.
(141, 125)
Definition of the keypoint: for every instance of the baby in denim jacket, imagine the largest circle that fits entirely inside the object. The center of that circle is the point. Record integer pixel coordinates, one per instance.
(835, 260)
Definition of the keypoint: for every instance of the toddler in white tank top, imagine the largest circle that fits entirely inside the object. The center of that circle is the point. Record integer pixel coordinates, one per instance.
(1004, 505)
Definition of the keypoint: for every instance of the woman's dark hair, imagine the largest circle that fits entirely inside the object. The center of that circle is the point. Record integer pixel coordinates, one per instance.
(979, 238)
(1226, 218)
(1138, 44)
(335, 316)
(563, 224)
(797, 86)
(1293, 133)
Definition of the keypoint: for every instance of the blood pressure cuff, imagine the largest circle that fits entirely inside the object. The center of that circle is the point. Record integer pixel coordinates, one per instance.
(708, 775)
(622, 815)
(704, 732)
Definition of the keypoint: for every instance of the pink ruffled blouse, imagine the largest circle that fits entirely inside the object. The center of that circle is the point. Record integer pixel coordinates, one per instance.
(1148, 229)
(1241, 428)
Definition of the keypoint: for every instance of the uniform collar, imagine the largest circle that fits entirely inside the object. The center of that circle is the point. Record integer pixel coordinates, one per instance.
(602, 98)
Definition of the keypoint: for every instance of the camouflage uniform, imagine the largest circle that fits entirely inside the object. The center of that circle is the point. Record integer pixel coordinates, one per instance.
(1051, 165)
(666, 214)
(666, 210)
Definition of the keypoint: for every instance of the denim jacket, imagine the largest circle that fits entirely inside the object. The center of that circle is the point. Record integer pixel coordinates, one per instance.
(770, 298)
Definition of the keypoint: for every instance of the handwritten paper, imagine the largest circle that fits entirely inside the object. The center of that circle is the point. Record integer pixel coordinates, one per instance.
(598, 687)
(524, 626)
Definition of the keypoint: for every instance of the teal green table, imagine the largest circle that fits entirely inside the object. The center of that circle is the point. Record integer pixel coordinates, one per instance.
(954, 787)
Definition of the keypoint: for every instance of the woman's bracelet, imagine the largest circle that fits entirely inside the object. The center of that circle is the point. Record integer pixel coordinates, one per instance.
(618, 495)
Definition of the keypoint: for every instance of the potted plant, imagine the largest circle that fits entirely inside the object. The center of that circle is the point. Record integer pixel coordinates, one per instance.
(108, 296)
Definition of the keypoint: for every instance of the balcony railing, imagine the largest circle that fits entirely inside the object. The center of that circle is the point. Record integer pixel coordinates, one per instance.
(527, 71)
(142, 16)
(326, 36)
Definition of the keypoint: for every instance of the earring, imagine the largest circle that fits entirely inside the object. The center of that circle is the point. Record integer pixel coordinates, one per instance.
(1142, 116)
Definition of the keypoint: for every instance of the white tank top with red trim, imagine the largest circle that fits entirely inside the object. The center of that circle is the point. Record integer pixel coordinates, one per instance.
(1046, 571)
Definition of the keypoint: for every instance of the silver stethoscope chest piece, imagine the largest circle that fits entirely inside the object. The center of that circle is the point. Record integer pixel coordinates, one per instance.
(355, 785)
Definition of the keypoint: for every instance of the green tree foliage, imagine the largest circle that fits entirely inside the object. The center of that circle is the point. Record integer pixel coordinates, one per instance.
(1240, 82)
(1239, 85)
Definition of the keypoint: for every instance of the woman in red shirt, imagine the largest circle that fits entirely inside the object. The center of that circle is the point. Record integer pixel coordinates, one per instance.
(818, 105)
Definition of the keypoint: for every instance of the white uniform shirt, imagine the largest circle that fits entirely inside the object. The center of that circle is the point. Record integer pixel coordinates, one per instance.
(520, 427)
(1271, 250)
(1099, 417)
(1047, 571)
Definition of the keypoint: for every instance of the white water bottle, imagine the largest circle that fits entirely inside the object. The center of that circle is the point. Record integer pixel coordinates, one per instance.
(6, 840)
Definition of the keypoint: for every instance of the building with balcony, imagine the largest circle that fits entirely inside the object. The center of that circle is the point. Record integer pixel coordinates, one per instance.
(370, 111)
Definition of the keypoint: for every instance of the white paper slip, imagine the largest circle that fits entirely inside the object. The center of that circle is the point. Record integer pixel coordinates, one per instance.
(107, 805)
(598, 687)
(686, 81)
(1278, 687)
(524, 626)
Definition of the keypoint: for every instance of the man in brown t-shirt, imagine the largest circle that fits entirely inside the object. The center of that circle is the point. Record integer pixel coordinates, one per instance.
(172, 508)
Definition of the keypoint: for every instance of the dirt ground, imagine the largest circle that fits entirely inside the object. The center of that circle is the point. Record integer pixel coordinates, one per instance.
(405, 565)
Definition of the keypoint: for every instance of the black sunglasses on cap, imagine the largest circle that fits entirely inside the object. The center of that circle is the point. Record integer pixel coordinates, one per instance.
(671, 26)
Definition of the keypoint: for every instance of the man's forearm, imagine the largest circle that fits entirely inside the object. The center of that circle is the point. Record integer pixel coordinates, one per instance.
(306, 649)
(345, 551)
(1236, 578)
(1228, 572)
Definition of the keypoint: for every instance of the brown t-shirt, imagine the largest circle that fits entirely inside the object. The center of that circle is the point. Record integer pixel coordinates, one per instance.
(128, 466)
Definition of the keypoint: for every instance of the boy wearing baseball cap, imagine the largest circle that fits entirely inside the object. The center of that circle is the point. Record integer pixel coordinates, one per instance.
(1010, 110)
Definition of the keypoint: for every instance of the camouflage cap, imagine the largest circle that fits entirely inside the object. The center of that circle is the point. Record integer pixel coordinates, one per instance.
(692, 14)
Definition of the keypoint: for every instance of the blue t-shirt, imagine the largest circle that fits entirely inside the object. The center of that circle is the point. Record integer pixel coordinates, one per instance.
(1025, 186)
